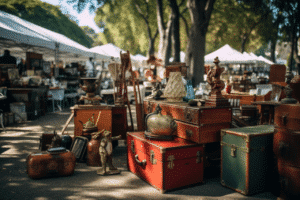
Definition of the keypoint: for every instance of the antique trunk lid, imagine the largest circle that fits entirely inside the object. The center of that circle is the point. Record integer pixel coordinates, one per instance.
(163, 150)
(194, 115)
(245, 158)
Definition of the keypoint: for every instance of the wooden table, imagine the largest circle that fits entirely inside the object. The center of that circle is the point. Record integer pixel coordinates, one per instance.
(112, 118)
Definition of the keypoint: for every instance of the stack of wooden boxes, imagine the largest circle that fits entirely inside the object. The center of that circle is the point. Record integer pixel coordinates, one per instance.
(180, 162)
(287, 148)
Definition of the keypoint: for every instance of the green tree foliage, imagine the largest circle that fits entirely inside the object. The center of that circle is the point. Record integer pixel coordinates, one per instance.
(123, 25)
(47, 16)
(232, 22)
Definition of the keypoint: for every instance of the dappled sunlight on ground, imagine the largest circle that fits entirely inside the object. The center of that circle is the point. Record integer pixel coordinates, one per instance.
(22, 139)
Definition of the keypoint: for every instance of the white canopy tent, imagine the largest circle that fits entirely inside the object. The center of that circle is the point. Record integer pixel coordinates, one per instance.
(20, 36)
(228, 55)
(114, 52)
(265, 60)
(108, 50)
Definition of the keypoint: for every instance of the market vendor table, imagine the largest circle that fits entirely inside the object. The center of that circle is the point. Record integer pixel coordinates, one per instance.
(34, 99)
(112, 118)
(266, 110)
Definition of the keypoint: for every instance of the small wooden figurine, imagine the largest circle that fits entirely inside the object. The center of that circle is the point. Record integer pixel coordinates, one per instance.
(105, 151)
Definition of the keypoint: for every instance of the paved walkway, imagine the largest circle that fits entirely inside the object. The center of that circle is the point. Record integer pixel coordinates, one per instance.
(19, 140)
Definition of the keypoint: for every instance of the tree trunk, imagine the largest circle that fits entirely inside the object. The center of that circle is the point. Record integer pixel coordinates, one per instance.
(273, 49)
(244, 40)
(175, 31)
(200, 12)
(296, 56)
(164, 47)
(161, 27)
(292, 52)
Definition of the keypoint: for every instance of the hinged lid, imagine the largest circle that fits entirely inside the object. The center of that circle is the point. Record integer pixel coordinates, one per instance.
(249, 130)
(162, 150)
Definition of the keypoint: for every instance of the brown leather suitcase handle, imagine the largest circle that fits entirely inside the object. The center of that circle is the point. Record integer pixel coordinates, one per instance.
(141, 163)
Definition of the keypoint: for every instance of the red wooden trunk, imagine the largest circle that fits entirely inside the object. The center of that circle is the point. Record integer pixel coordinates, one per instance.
(286, 146)
(289, 181)
(165, 165)
(201, 134)
(287, 116)
(197, 124)
(193, 115)
(54, 162)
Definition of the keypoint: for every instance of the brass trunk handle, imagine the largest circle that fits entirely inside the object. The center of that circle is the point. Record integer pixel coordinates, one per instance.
(141, 163)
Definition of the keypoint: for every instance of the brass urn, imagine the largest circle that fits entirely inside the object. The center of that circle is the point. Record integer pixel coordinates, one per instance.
(160, 127)
(90, 86)
(89, 127)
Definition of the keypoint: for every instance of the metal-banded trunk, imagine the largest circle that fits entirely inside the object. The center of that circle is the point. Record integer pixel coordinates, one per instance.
(166, 165)
(247, 158)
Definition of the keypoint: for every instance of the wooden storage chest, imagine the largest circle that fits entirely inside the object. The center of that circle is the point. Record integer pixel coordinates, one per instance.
(166, 165)
(197, 124)
(247, 158)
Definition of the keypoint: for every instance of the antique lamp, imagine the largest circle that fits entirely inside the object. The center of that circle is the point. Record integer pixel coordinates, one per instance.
(175, 90)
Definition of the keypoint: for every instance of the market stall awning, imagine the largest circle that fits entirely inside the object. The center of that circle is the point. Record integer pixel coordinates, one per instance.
(228, 55)
(20, 35)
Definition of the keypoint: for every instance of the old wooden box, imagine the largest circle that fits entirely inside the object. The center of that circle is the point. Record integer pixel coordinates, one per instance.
(286, 146)
(289, 181)
(193, 115)
(247, 158)
(203, 134)
(287, 116)
(112, 118)
(166, 165)
(197, 124)
(54, 162)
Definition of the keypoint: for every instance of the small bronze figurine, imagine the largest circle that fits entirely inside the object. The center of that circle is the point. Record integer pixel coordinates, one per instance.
(105, 151)
(215, 98)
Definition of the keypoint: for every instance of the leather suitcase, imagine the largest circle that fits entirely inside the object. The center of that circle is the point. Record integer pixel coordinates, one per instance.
(289, 181)
(193, 115)
(207, 133)
(166, 165)
(287, 116)
(247, 158)
(53, 162)
(286, 146)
